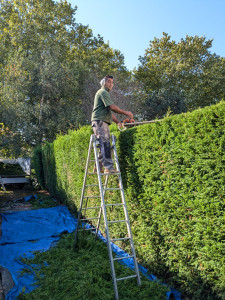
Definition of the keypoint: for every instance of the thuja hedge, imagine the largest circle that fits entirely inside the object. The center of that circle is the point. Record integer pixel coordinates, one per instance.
(174, 178)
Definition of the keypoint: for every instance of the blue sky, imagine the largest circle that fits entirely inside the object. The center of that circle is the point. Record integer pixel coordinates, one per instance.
(130, 25)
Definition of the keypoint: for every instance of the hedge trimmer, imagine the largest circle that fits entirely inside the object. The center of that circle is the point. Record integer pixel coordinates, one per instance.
(127, 123)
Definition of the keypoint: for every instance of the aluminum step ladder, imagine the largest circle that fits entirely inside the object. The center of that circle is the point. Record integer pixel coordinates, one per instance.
(2, 184)
(101, 208)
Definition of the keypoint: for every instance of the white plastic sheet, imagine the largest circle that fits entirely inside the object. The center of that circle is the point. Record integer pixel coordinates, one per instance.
(23, 162)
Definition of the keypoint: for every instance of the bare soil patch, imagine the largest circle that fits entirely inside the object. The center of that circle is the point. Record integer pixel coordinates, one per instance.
(15, 192)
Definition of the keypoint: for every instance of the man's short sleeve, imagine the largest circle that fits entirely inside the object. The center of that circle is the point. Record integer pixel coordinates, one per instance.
(106, 99)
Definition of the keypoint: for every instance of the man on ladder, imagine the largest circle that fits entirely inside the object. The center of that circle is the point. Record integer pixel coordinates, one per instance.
(101, 118)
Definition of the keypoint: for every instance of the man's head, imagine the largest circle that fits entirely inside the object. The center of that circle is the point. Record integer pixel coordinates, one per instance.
(107, 82)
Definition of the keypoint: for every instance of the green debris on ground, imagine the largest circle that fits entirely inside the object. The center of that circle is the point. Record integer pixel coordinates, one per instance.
(84, 273)
(43, 201)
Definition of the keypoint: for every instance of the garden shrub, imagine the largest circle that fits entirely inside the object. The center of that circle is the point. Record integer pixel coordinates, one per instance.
(37, 164)
(174, 179)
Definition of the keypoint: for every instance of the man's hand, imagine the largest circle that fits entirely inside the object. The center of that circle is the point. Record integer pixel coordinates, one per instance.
(129, 114)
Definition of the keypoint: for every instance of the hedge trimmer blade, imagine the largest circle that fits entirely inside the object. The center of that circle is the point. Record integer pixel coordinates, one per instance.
(134, 123)
(131, 123)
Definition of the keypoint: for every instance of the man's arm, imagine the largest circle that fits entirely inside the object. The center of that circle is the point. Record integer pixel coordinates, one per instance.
(114, 118)
(118, 110)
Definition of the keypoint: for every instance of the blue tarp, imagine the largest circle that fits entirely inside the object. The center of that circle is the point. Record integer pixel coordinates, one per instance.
(24, 232)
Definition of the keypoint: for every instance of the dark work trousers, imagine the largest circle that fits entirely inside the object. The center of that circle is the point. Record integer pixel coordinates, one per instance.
(101, 131)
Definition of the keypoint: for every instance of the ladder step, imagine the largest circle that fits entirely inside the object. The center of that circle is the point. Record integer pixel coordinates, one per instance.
(92, 197)
(114, 204)
(112, 189)
(120, 239)
(117, 173)
(94, 185)
(118, 221)
(95, 218)
(82, 229)
(94, 207)
(128, 277)
(94, 173)
(100, 160)
(125, 257)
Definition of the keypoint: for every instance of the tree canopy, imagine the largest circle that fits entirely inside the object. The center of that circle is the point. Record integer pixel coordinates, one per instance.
(48, 62)
(181, 76)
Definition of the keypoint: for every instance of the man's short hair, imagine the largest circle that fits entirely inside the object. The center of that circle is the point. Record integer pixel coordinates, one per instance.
(108, 76)
(102, 82)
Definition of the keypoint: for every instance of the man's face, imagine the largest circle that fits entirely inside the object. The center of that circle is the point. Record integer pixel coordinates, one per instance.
(109, 84)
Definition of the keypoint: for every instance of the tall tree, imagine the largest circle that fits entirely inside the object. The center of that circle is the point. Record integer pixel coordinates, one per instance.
(181, 76)
(48, 65)
(37, 77)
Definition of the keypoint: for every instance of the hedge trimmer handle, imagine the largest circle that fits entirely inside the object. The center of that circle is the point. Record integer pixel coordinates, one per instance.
(122, 128)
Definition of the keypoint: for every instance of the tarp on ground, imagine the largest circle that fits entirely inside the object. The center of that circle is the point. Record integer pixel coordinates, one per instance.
(24, 232)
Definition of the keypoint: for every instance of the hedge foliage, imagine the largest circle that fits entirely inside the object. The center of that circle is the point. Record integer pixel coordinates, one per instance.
(37, 164)
(174, 178)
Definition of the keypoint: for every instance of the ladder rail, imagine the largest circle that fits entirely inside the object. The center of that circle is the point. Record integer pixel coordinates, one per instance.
(97, 160)
(106, 224)
(100, 211)
(82, 193)
(126, 211)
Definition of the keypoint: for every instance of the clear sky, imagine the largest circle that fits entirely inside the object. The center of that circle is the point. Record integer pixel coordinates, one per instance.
(130, 25)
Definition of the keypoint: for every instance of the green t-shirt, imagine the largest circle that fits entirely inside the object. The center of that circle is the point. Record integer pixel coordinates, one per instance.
(101, 110)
